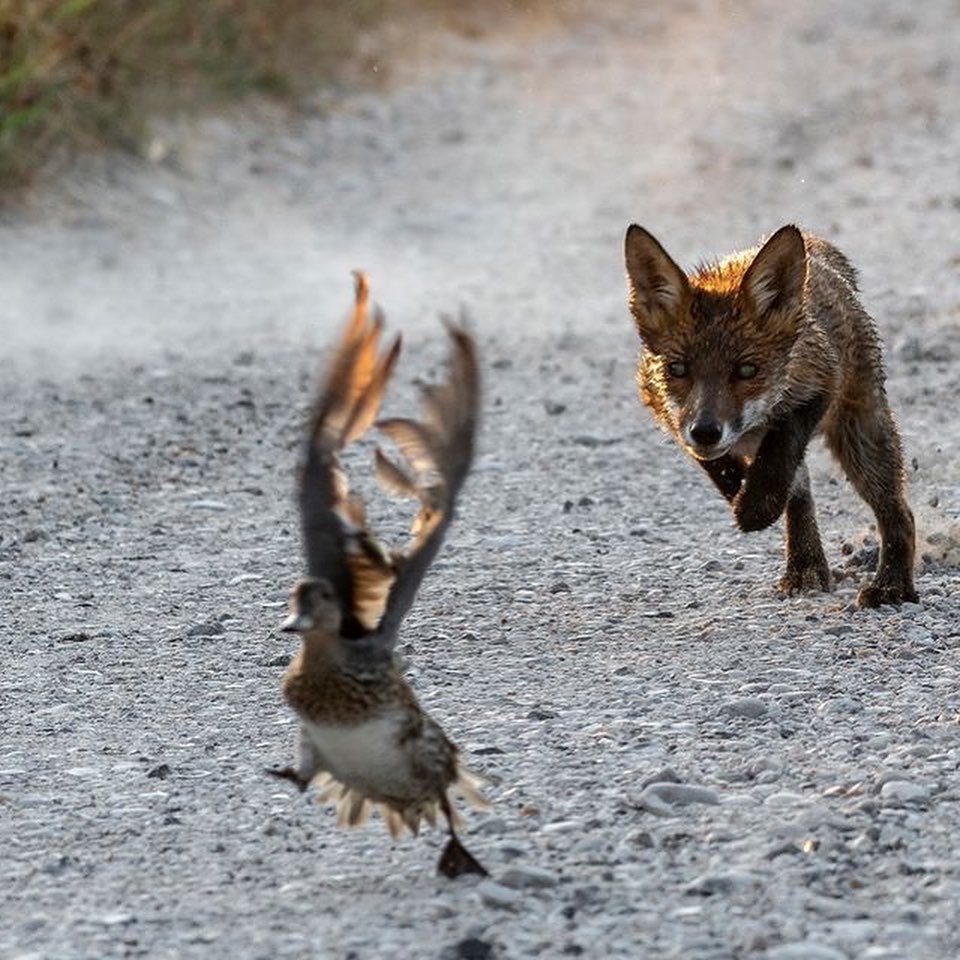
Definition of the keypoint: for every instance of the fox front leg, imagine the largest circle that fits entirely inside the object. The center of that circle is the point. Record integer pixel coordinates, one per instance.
(766, 487)
(807, 568)
(727, 473)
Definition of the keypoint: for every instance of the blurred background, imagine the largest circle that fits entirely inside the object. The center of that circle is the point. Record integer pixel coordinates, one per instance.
(177, 176)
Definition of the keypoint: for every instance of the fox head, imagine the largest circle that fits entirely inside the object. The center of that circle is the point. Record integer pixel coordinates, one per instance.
(716, 342)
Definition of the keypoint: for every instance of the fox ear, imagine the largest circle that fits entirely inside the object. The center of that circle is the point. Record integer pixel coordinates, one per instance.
(776, 278)
(657, 285)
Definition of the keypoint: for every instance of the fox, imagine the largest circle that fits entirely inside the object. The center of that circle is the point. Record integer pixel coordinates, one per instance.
(744, 360)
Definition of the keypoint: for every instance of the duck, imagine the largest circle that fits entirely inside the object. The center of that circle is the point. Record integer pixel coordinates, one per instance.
(364, 741)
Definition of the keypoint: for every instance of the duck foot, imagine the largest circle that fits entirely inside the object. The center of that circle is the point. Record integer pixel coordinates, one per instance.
(456, 860)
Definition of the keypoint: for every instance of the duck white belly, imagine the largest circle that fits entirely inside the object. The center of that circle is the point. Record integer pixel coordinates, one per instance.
(367, 756)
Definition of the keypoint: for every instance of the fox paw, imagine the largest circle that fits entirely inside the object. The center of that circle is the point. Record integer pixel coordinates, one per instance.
(805, 580)
(877, 594)
(756, 508)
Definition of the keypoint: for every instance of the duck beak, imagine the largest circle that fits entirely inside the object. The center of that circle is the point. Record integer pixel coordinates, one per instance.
(297, 622)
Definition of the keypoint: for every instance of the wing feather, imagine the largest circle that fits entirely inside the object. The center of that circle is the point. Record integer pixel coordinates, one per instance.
(336, 542)
(439, 450)
(392, 478)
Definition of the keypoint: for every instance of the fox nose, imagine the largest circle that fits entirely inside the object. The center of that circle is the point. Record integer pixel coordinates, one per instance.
(706, 432)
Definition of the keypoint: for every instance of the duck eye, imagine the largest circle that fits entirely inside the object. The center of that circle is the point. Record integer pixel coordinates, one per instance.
(677, 368)
(746, 371)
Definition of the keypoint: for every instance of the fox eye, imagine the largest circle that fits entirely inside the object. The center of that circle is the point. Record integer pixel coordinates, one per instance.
(677, 368)
(746, 371)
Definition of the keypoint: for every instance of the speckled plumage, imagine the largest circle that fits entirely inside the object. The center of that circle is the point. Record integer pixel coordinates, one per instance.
(364, 740)
(744, 359)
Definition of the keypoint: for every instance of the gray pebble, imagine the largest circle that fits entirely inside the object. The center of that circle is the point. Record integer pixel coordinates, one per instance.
(722, 882)
(494, 894)
(750, 707)
(806, 950)
(898, 793)
(520, 877)
(683, 793)
(492, 826)
(838, 629)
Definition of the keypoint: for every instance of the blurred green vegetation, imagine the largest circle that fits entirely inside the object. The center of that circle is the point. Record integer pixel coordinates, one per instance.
(76, 73)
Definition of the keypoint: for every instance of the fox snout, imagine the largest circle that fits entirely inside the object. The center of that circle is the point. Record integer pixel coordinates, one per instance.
(707, 436)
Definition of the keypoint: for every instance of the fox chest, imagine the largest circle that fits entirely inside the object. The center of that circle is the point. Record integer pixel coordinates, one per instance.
(372, 756)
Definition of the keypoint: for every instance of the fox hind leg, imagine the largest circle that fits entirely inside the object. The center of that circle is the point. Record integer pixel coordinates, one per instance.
(867, 444)
(807, 569)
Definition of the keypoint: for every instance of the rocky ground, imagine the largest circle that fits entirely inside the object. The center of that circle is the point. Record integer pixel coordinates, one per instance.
(682, 764)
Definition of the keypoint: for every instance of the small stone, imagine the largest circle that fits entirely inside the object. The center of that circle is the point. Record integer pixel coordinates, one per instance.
(839, 705)
(280, 660)
(666, 775)
(117, 919)
(562, 826)
(216, 506)
(786, 849)
(554, 409)
(783, 798)
(661, 798)
(494, 894)
(725, 882)
(838, 629)
(898, 793)
(520, 877)
(58, 865)
(586, 440)
(492, 826)
(806, 950)
(538, 714)
(160, 772)
(472, 948)
(750, 707)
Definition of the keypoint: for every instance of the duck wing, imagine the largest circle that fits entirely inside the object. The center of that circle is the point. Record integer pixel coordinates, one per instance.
(338, 545)
(437, 451)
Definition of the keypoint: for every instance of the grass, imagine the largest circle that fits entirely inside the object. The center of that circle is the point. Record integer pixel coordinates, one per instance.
(80, 73)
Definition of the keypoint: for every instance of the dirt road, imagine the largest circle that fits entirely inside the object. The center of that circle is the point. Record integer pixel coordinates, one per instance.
(595, 624)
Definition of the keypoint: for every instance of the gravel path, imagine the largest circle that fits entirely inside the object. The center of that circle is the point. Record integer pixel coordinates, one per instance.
(682, 763)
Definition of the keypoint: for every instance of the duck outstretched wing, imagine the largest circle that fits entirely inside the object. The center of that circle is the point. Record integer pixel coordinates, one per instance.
(338, 546)
(436, 451)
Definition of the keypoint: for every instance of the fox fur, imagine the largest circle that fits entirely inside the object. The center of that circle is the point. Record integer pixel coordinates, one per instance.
(744, 360)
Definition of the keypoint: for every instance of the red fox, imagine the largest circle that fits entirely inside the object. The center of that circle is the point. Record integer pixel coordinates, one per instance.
(744, 360)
